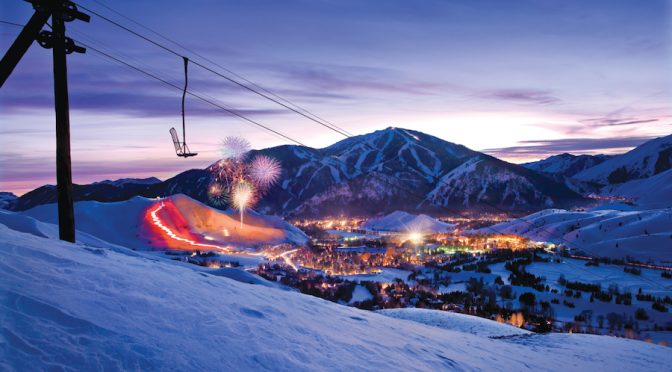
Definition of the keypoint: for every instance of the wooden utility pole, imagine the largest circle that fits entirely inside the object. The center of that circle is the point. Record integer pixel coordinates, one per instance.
(60, 11)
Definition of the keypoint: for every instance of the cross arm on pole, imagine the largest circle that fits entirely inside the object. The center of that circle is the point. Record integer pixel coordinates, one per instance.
(22, 43)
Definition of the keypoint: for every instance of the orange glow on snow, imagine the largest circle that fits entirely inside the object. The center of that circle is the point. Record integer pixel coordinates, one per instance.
(161, 226)
(184, 224)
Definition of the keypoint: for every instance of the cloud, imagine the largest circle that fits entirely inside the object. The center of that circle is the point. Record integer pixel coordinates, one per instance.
(355, 79)
(133, 103)
(544, 148)
(609, 122)
(541, 97)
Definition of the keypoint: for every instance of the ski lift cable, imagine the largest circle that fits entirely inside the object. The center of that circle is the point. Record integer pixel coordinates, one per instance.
(111, 50)
(228, 70)
(234, 81)
(191, 93)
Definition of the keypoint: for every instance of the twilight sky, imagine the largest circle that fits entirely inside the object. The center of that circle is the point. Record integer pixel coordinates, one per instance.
(520, 80)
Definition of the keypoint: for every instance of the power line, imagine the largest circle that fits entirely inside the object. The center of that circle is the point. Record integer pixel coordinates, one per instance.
(234, 81)
(153, 76)
(180, 45)
(11, 23)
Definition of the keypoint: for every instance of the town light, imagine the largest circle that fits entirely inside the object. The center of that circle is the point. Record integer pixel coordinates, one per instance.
(414, 237)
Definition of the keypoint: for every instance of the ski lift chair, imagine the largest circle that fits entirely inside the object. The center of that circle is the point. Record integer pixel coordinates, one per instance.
(181, 148)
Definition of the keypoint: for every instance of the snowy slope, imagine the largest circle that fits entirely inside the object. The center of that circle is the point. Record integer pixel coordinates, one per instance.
(643, 161)
(6, 198)
(495, 183)
(644, 235)
(456, 322)
(405, 222)
(128, 223)
(63, 306)
(566, 165)
(29, 225)
(652, 192)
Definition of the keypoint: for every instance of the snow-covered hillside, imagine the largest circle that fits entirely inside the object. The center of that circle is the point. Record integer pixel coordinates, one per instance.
(646, 160)
(405, 222)
(456, 322)
(566, 165)
(68, 306)
(648, 193)
(644, 235)
(489, 181)
(6, 198)
(130, 223)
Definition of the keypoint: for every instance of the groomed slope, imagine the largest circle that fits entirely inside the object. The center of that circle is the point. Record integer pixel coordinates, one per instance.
(130, 223)
(72, 307)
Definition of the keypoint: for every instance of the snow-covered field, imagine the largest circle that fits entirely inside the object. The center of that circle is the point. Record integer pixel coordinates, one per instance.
(644, 235)
(68, 306)
(649, 193)
(386, 275)
(649, 281)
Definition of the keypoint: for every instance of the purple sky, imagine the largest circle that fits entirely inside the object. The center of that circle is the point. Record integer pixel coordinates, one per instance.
(521, 80)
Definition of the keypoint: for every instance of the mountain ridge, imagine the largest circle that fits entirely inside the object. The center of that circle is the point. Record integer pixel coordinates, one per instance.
(369, 174)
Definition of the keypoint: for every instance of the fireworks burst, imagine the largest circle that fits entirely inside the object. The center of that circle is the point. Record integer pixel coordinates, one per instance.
(218, 194)
(234, 148)
(237, 183)
(226, 171)
(264, 171)
(243, 196)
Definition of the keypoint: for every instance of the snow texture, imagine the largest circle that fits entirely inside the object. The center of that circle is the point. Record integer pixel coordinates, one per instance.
(70, 307)
(644, 235)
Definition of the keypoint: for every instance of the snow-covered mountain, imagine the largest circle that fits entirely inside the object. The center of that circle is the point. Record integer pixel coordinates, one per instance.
(487, 181)
(648, 193)
(645, 235)
(404, 222)
(124, 181)
(646, 160)
(70, 306)
(370, 174)
(401, 168)
(6, 198)
(566, 165)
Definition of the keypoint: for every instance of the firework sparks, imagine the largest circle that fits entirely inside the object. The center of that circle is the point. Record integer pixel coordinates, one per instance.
(238, 183)
(218, 194)
(235, 148)
(227, 171)
(264, 171)
(243, 196)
